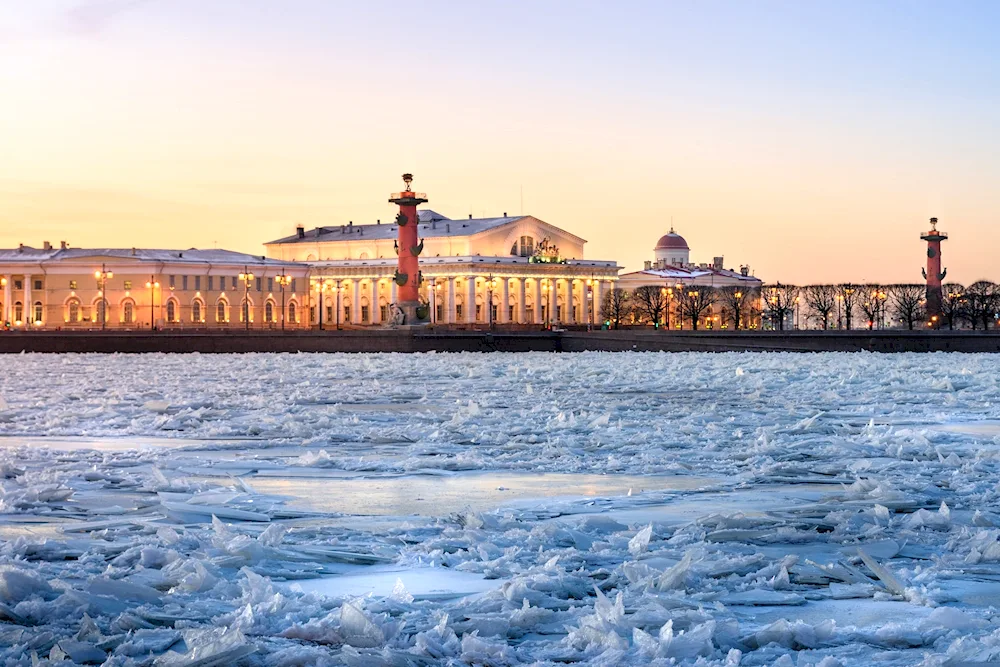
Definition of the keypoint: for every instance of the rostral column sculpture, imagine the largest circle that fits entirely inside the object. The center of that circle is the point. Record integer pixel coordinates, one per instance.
(408, 276)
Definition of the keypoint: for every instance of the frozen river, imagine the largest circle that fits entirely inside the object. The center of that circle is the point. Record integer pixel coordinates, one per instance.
(600, 509)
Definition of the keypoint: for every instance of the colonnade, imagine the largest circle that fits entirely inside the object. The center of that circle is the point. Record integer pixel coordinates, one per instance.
(464, 299)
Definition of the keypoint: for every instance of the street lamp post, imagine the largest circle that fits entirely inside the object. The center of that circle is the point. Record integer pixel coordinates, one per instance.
(152, 284)
(102, 278)
(282, 281)
(338, 287)
(247, 278)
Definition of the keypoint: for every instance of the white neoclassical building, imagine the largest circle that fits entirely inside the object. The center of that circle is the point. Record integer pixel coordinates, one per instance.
(133, 288)
(527, 270)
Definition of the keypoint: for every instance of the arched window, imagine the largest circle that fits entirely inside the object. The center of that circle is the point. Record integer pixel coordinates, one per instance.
(73, 310)
(128, 314)
(171, 311)
(525, 247)
(220, 312)
(38, 312)
(18, 311)
(196, 315)
(269, 311)
(246, 309)
(100, 311)
(292, 314)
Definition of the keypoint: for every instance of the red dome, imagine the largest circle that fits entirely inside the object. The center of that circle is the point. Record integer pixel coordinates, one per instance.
(671, 241)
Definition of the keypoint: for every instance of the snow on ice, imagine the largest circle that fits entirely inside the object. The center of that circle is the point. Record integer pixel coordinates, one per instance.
(462, 509)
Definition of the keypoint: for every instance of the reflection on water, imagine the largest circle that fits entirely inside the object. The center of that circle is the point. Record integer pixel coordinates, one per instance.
(427, 495)
(985, 427)
(131, 443)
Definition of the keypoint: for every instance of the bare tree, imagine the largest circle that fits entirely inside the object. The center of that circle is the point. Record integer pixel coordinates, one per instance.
(615, 306)
(849, 294)
(821, 300)
(736, 303)
(908, 303)
(779, 300)
(953, 303)
(694, 301)
(871, 303)
(649, 303)
(982, 299)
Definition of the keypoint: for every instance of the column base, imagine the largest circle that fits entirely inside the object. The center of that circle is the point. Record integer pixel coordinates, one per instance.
(410, 314)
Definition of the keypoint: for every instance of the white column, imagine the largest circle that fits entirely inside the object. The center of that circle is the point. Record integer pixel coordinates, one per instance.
(6, 297)
(450, 317)
(554, 302)
(599, 300)
(470, 299)
(373, 308)
(504, 301)
(538, 301)
(356, 302)
(392, 291)
(520, 301)
(29, 309)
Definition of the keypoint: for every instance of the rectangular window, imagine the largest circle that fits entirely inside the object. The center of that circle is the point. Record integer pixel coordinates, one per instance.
(38, 284)
(364, 314)
(258, 284)
(293, 284)
(184, 282)
(347, 314)
(329, 313)
(270, 284)
(197, 282)
(128, 284)
(173, 282)
(234, 282)
(72, 284)
(458, 311)
(211, 279)
(18, 283)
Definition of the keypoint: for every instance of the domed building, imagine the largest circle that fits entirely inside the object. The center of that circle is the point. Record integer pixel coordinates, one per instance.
(674, 272)
(672, 249)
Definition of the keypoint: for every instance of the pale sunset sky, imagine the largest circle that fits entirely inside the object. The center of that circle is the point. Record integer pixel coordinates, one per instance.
(810, 140)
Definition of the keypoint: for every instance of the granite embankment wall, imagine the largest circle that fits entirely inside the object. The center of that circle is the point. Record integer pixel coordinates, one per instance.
(426, 340)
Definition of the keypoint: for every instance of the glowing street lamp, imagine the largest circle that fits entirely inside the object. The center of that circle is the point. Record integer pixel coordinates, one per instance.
(283, 280)
(152, 284)
(247, 278)
(102, 279)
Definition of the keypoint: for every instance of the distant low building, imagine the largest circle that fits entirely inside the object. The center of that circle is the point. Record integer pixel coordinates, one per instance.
(133, 288)
(532, 272)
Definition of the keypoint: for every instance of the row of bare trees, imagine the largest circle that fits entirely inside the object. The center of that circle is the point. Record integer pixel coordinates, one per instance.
(779, 306)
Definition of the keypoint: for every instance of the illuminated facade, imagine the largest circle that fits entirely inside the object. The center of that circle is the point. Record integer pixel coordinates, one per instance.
(76, 288)
(529, 271)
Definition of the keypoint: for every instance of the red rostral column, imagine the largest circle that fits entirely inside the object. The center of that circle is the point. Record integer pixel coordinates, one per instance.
(409, 247)
(933, 273)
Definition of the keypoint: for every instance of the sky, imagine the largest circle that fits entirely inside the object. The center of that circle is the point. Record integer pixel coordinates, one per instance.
(809, 140)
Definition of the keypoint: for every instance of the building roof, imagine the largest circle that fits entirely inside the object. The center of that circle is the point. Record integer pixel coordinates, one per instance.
(671, 241)
(431, 225)
(681, 274)
(189, 256)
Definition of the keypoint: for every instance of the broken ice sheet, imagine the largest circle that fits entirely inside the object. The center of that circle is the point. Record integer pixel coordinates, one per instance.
(251, 515)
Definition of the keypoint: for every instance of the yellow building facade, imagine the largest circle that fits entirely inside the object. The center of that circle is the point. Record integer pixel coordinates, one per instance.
(74, 288)
(505, 270)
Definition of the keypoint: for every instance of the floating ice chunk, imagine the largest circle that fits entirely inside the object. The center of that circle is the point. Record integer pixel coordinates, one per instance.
(761, 597)
(479, 651)
(209, 648)
(124, 590)
(358, 629)
(676, 578)
(399, 593)
(949, 618)
(82, 653)
(640, 542)
(17, 585)
(892, 584)
(159, 407)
